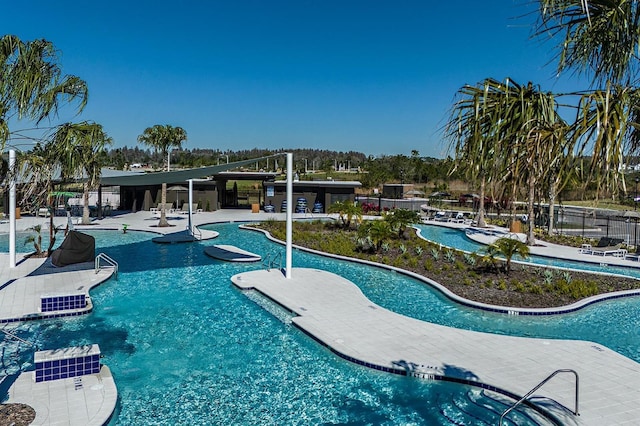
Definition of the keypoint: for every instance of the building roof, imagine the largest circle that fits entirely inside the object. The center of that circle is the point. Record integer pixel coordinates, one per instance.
(321, 183)
(126, 178)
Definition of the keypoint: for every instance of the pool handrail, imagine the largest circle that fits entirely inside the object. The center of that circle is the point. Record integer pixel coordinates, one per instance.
(538, 386)
(108, 260)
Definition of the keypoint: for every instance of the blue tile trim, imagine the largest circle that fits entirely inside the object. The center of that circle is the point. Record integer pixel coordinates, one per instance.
(34, 317)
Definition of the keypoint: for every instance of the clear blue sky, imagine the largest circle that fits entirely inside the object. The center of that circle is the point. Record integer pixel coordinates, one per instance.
(372, 76)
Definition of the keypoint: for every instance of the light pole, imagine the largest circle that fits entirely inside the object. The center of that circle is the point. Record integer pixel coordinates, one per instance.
(635, 197)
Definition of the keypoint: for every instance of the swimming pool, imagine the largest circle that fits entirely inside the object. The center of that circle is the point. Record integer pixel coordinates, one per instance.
(186, 347)
(456, 238)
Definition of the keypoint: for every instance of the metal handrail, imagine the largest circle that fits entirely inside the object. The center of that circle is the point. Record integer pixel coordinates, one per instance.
(196, 232)
(271, 259)
(108, 260)
(538, 386)
(17, 338)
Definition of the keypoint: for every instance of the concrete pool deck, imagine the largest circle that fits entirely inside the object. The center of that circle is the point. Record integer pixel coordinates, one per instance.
(332, 310)
(335, 312)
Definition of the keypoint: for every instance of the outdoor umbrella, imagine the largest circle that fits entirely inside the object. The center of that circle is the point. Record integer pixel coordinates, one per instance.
(177, 188)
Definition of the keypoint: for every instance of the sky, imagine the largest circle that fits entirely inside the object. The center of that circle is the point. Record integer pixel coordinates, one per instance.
(372, 76)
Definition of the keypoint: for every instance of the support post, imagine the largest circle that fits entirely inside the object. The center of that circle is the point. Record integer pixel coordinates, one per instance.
(12, 210)
(190, 205)
(289, 235)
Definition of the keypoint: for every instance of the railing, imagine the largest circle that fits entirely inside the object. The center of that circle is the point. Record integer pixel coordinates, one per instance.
(13, 336)
(197, 233)
(271, 259)
(552, 375)
(107, 260)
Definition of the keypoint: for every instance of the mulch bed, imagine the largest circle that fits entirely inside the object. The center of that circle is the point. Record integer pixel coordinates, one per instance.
(16, 414)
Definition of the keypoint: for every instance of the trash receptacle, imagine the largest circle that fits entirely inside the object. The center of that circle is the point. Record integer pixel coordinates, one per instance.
(255, 208)
(516, 226)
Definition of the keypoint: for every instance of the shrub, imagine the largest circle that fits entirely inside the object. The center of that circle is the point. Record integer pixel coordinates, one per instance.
(435, 253)
(470, 259)
(450, 256)
(428, 265)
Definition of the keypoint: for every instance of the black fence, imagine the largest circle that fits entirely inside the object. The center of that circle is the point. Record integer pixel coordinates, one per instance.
(593, 223)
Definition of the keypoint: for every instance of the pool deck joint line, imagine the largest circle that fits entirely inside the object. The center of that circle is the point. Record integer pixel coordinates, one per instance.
(335, 312)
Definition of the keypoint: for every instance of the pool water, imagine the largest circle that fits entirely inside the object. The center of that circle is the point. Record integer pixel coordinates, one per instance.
(456, 238)
(186, 347)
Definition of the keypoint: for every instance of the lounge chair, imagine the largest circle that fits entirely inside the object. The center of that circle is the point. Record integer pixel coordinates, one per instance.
(608, 246)
(185, 208)
(168, 208)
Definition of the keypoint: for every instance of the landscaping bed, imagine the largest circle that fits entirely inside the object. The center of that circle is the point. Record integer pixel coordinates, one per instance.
(467, 275)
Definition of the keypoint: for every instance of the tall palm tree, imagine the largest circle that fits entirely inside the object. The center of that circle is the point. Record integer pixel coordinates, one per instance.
(81, 150)
(32, 84)
(600, 38)
(472, 129)
(604, 126)
(37, 168)
(162, 138)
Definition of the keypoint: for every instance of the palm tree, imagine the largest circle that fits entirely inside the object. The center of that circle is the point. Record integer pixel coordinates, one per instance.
(400, 219)
(473, 129)
(599, 37)
(37, 168)
(347, 210)
(377, 230)
(32, 84)
(162, 138)
(80, 149)
(507, 248)
(35, 238)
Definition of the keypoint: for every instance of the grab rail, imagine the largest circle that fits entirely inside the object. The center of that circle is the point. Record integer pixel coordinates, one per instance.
(17, 338)
(197, 233)
(538, 386)
(271, 259)
(109, 261)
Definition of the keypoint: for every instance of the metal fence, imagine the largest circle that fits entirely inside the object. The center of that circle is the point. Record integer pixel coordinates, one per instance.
(382, 204)
(594, 223)
(568, 220)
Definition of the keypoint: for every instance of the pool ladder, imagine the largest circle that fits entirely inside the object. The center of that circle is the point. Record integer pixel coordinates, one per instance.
(538, 386)
(13, 336)
(271, 260)
(195, 231)
(109, 261)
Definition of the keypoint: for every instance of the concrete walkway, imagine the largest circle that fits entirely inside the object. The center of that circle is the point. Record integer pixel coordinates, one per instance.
(335, 312)
(88, 400)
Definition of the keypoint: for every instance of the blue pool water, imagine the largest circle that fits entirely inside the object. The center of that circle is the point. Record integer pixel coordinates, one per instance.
(186, 347)
(456, 238)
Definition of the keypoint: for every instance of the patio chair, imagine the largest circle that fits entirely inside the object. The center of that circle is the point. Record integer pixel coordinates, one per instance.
(609, 246)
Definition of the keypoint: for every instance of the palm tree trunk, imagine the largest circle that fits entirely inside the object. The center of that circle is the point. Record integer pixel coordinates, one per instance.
(481, 221)
(85, 207)
(163, 214)
(514, 193)
(52, 233)
(552, 203)
(532, 188)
